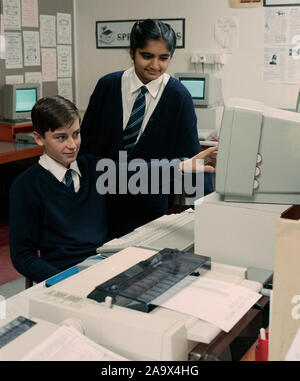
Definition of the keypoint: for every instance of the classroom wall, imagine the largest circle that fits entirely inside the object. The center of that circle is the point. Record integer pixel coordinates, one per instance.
(45, 7)
(241, 75)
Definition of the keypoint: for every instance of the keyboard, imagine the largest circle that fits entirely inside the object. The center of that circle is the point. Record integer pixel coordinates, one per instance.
(206, 134)
(174, 231)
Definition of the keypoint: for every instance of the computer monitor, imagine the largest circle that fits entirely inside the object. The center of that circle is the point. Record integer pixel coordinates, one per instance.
(258, 156)
(18, 100)
(204, 88)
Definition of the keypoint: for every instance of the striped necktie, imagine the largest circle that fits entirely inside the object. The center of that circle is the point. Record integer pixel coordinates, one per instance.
(69, 179)
(132, 130)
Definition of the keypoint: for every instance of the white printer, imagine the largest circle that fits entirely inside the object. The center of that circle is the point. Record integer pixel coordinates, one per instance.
(159, 334)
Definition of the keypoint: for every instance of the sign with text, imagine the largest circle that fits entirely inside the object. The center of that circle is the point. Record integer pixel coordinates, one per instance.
(116, 34)
(281, 3)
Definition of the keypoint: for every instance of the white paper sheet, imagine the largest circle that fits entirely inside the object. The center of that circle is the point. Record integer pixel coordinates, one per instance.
(67, 344)
(2, 38)
(30, 13)
(14, 79)
(64, 28)
(14, 59)
(220, 303)
(227, 33)
(48, 64)
(31, 48)
(282, 44)
(65, 88)
(281, 64)
(12, 14)
(64, 61)
(48, 31)
(34, 77)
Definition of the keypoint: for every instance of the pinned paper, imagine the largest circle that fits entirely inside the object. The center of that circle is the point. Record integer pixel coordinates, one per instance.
(12, 14)
(64, 28)
(65, 89)
(14, 59)
(48, 32)
(30, 13)
(49, 64)
(2, 38)
(226, 33)
(14, 79)
(31, 48)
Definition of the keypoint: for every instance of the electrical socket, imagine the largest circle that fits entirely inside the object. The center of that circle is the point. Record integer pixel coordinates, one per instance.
(194, 58)
(208, 58)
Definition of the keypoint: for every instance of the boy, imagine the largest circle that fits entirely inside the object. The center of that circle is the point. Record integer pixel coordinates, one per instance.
(54, 206)
(65, 222)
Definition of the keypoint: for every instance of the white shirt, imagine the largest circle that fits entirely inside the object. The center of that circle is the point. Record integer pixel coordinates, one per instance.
(59, 171)
(130, 87)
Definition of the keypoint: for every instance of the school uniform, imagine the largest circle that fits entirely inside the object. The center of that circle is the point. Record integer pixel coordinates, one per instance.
(169, 131)
(65, 225)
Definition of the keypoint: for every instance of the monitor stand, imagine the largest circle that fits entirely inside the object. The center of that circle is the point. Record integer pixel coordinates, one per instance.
(209, 121)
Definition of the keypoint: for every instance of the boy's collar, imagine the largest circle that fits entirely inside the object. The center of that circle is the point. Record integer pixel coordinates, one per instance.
(56, 168)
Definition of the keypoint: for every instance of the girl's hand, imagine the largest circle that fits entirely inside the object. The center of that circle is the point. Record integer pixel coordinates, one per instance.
(204, 161)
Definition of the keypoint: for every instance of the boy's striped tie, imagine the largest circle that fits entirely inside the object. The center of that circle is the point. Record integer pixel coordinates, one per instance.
(69, 179)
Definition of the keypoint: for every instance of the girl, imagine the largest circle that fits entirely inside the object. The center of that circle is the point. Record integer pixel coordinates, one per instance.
(166, 126)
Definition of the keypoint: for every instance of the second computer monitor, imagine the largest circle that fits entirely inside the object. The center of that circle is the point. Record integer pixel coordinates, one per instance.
(204, 88)
(18, 100)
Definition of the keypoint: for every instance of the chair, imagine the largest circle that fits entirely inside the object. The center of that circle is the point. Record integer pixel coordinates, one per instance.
(28, 283)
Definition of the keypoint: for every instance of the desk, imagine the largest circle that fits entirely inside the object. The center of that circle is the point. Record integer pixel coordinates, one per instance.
(11, 151)
(250, 354)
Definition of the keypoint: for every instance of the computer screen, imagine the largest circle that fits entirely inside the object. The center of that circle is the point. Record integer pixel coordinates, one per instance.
(18, 100)
(25, 99)
(204, 88)
(196, 87)
(258, 154)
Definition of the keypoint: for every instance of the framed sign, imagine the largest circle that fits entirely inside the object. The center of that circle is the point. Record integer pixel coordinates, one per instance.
(281, 3)
(115, 34)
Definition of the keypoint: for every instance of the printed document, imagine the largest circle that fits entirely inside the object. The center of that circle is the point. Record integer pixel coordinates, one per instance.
(220, 303)
(67, 344)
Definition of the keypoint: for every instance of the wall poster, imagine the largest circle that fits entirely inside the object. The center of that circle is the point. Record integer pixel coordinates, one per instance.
(116, 33)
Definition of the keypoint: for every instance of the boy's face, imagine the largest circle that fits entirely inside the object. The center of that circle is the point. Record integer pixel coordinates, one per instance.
(62, 144)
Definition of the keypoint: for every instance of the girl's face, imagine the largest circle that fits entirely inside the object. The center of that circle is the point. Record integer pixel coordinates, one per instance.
(151, 61)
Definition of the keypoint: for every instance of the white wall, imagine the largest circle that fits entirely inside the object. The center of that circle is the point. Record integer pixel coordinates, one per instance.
(241, 75)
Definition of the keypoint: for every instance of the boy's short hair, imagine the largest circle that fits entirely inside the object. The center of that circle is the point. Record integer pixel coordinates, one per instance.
(50, 113)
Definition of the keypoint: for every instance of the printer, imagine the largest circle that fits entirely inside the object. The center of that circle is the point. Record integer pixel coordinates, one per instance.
(105, 298)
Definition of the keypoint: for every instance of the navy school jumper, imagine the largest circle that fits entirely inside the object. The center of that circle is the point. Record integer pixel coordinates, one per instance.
(170, 133)
(45, 215)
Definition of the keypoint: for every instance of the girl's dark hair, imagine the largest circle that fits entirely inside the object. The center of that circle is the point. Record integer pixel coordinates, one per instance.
(143, 31)
(50, 113)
